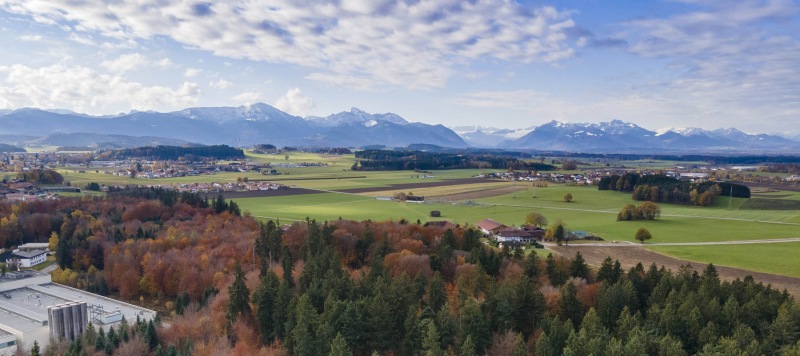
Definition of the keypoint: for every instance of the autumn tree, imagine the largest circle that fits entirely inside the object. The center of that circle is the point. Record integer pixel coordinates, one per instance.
(642, 235)
(535, 219)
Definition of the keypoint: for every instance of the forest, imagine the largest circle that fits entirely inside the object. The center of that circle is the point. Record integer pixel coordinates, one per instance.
(661, 188)
(385, 160)
(227, 283)
(194, 153)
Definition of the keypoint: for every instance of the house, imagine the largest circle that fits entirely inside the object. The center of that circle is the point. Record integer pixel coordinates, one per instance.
(514, 235)
(28, 259)
(489, 226)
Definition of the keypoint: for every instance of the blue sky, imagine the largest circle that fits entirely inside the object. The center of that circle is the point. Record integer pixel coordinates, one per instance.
(506, 64)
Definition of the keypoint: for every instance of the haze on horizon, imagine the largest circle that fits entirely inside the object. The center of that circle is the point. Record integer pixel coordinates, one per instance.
(682, 63)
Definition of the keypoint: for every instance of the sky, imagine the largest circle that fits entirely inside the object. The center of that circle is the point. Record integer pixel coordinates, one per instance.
(492, 63)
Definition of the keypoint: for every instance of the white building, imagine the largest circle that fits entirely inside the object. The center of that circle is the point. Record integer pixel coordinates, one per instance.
(28, 259)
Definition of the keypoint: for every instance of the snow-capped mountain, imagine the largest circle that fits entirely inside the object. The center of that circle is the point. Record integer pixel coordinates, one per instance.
(356, 116)
(620, 136)
(243, 125)
(479, 136)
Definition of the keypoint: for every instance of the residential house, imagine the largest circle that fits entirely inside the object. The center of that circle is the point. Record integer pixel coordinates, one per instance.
(515, 235)
(489, 226)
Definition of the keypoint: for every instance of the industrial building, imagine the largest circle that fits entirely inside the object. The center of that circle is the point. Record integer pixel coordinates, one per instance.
(32, 308)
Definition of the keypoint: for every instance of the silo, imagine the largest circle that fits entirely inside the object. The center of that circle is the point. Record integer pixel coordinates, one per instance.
(84, 316)
(55, 317)
(77, 323)
(69, 332)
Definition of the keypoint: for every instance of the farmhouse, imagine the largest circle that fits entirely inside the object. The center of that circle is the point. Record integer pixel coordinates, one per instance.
(514, 235)
(489, 226)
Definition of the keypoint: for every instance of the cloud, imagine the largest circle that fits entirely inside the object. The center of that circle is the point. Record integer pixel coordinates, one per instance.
(30, 38)
(129, 62)
(295, 102)
(220, 84)
(729, 61)
(192, 72)
(85, 90)
(248, 97)
(411, 44)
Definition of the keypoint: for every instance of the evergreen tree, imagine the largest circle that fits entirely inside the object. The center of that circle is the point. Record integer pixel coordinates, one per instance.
(468, 348)
(264, 299)
(288, 266)
(571, 308)
(578, 267)
(437, 295)
(339, 346)
(431, 344)
(531, 265)
(35, 351)
(304, 336)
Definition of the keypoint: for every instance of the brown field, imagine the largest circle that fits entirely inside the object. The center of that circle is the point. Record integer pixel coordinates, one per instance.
(630, 255)
(478, 194)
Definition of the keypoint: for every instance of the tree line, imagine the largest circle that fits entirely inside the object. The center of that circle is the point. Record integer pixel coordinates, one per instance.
(191, 153)
(386, 160)
(664, 189)
(240, 286)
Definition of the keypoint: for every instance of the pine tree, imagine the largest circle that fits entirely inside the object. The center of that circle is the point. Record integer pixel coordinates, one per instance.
(35, 351)
(288, 265)
(431, 344)
(339, 346)
(579, 268)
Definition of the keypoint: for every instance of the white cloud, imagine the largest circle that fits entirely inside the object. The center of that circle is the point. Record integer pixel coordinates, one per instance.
(129, 62)
(192, 72)
(248, 97)
(85, 90)
(730, 62)
(387, 42)
(220, 84)
(126, 62)
(30, 38)
(295, 102)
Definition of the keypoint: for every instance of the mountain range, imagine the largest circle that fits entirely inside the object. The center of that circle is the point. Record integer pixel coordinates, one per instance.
(623, 137)
(261, 123)
(239, 126)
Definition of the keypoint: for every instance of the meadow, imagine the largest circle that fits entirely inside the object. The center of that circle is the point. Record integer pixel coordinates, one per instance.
(768, 215)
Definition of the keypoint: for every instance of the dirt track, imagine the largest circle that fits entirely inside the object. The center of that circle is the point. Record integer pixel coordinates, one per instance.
(630, 255)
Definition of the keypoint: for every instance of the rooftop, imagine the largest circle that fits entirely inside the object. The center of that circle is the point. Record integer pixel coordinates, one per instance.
(29, 254)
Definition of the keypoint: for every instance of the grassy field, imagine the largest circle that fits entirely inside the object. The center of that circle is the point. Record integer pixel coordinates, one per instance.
(768, 215)
(761, 258)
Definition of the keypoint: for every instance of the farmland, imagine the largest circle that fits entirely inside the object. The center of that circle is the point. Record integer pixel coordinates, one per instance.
(343, 193)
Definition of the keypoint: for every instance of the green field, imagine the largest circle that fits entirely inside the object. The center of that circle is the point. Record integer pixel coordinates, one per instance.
(767, 215)
(761, 258)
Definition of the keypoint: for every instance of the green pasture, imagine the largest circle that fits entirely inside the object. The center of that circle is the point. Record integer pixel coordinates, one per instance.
(591, 210)
(777, 258)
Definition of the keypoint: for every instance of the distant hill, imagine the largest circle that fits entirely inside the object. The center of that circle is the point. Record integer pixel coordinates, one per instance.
(239, 126)
(8, 148)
